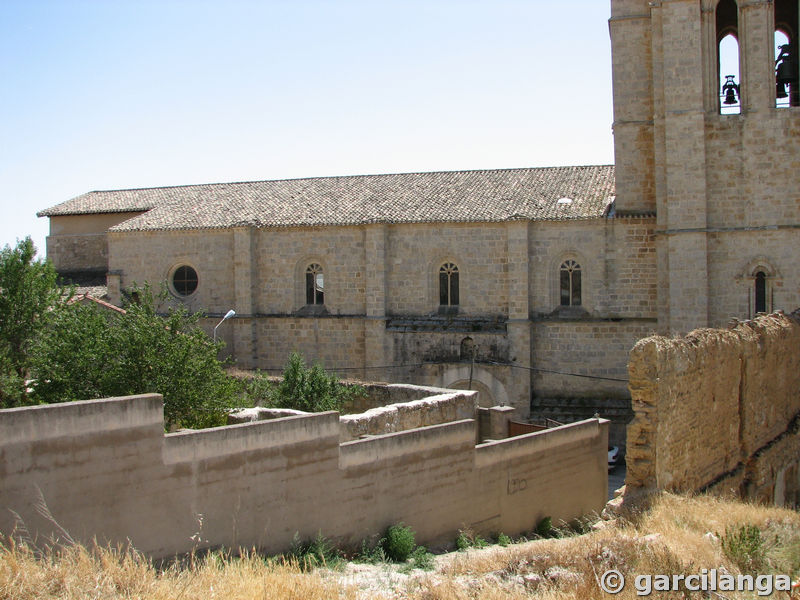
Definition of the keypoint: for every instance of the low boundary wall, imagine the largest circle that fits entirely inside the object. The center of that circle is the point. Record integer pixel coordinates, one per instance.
(719, 410)
(106, 469)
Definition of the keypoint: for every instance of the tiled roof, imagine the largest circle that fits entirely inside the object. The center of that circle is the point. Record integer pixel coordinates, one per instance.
(112, 201)
(458, 196)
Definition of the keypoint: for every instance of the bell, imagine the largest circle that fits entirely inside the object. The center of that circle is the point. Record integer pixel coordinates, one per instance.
(780, 91)
(783, 73)
(730, 90)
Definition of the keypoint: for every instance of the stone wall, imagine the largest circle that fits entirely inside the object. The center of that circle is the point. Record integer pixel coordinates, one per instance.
(402, 416)
(718, 409)
(107, 471)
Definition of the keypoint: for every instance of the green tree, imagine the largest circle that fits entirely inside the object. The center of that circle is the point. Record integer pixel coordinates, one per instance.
(28, 292)
(311, 390)
(88, 352)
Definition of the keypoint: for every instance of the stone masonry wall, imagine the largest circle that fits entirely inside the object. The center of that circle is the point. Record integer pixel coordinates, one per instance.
(718, 409)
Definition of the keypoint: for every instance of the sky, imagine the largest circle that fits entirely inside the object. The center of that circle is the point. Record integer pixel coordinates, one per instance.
(113, 94)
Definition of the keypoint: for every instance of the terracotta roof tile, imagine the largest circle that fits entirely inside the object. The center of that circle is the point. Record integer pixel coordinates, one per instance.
(457, 196)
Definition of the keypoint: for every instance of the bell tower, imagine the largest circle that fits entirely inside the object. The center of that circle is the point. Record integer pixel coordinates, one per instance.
(705, 140)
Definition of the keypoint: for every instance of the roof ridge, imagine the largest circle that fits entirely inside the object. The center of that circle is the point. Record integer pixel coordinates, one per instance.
(363, 175)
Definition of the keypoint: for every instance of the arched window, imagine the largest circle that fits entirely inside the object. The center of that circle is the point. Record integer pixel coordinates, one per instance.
(448, 285)
(787, 91)
(315, 285)
(761, 292)
(467, 349)
(728, 57)
(570, 281)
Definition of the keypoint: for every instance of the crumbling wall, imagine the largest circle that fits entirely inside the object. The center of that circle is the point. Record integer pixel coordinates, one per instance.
(718, 409)
(432, 410)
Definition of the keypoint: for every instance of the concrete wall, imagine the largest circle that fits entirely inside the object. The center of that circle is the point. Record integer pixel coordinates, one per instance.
(719, 409)
(106, 469)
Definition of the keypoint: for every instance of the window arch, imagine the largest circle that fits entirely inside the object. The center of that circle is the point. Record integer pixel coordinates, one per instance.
(315, 285)
(787, 23)
(760, 292)
(570, 283)
(727, 21)
(448, 285)
(467, 349)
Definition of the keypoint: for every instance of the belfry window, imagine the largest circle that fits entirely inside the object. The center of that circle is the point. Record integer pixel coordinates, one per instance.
(761, 292)
(570, 280)
(787, 91)
(448, 285)
(315, 285)
(730, 102)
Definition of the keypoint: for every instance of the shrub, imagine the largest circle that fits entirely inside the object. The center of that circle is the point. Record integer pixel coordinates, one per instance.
(258, 390)
(462, 541)
(311, 390)
(745, 547)
(422, 559)
(87, 352)
(468, 539)
(398, 544)
(503, 540)
(319, 552)
(544, 528)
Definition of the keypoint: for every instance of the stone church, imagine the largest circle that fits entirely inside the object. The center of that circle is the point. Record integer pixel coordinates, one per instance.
(530, 285)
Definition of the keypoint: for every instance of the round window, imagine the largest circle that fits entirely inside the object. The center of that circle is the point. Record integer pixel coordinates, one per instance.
(184, 280)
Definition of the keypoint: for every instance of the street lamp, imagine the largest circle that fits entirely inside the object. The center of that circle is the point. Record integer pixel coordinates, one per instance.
(228, 315)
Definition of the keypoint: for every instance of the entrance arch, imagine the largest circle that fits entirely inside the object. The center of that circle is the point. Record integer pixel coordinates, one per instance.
(492, 391)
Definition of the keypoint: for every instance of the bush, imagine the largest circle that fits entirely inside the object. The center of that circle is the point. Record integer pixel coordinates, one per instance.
(503, 540)
(398, 544)
(310, 390)
(468, 539)
(258, 390)
(544, 528)
(319, 552)
(745, 547)
(87, 352)
(422, 559)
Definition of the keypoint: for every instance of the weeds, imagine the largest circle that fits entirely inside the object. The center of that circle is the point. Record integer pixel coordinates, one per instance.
(745, 547)
(469, 539)
(319, 552)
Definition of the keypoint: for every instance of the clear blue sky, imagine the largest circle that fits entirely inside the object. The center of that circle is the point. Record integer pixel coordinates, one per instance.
(108, 94)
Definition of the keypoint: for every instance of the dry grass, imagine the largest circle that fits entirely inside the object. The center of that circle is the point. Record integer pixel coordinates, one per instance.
(671, 538)
(79, 574)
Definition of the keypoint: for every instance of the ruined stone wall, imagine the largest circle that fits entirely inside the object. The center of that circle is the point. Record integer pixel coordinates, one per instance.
(108, 472)
(436, 409)
(718, 408)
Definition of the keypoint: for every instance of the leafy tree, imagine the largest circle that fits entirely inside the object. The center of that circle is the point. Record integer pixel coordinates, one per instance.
(28, 292)
(311, 390)
(88, 352)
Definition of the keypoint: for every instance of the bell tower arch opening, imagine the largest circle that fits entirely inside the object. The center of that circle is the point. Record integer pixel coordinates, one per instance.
(787, 25)
(727, 32)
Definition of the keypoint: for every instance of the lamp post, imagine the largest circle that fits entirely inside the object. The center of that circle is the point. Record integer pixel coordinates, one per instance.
(227, 316)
